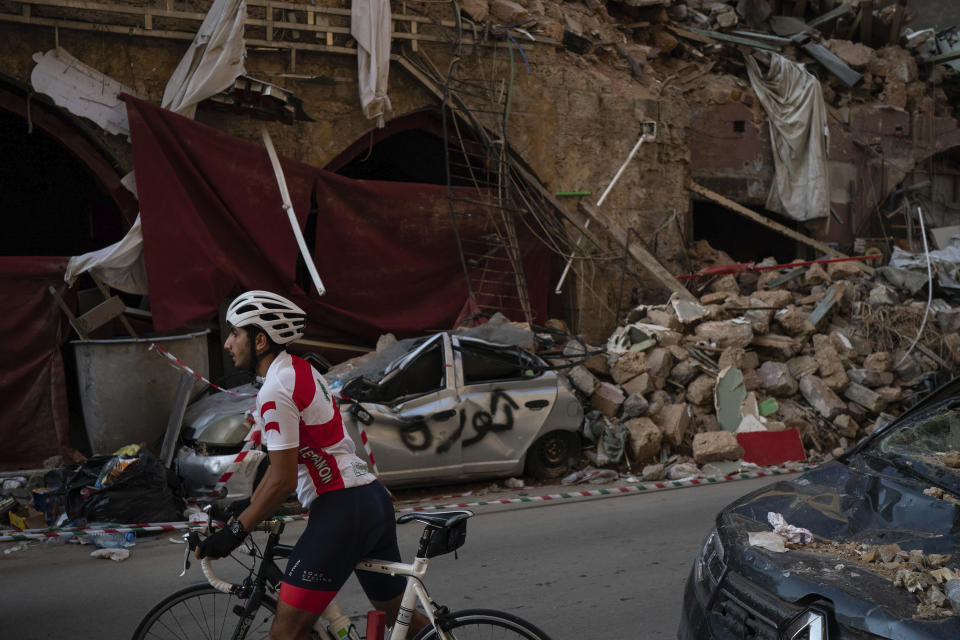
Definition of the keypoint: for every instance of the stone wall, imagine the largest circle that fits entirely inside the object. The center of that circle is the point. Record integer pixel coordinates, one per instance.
(573, 120)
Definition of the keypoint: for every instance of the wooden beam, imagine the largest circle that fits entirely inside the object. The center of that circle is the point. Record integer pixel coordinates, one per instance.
(866, 22)
(637, 252)
(896, 24)
(770, 224)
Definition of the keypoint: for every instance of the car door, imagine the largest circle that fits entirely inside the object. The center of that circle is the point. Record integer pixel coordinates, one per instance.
(504, 399)
(411, 426)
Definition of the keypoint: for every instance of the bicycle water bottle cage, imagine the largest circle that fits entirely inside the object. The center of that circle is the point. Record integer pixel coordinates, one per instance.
(445, 532)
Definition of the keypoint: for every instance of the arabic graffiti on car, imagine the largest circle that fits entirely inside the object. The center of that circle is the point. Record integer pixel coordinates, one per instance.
(417, 435)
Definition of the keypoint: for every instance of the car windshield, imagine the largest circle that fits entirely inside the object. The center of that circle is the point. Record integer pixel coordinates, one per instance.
(928, 443)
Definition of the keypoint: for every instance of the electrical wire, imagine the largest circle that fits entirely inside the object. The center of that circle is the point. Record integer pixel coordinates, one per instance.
(926, 313)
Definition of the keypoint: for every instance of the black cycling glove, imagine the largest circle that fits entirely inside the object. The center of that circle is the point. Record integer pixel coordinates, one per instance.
(224, 541)
(237, 507)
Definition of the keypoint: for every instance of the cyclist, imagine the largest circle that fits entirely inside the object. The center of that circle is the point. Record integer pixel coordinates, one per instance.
(351, 514)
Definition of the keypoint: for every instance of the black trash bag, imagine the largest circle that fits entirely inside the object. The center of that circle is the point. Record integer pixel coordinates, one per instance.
(144, 492)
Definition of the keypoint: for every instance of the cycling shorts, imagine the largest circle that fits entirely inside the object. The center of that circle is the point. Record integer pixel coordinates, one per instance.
(344, 527)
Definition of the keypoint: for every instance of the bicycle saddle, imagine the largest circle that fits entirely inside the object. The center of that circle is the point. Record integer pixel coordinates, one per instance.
(441, 519)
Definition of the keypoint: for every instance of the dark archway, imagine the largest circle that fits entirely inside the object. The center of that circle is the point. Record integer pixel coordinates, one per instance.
(61, 193)
(411, 149)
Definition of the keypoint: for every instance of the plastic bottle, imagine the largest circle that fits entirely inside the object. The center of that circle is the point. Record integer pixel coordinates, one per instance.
(113, 540)
(339, 625)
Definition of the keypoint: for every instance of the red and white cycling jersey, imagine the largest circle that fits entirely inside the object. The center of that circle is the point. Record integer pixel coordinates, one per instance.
(295, 409)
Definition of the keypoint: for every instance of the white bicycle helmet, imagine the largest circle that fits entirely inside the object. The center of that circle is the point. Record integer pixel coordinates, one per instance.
(282, 320)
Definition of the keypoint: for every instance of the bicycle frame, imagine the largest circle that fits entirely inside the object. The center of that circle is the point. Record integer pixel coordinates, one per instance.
(414, 592)
(268, 572)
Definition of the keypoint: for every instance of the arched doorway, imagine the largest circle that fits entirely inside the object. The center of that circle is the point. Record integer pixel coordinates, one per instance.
(61, 196)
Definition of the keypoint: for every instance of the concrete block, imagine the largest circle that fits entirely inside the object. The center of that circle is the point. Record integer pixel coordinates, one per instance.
(776, 379)
(608, 399)
(674, 422)
(816, 392)
(644, 438)
(713, 446)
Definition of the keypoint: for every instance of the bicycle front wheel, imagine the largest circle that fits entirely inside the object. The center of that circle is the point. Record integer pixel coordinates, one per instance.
(485, 624)
(200, 612)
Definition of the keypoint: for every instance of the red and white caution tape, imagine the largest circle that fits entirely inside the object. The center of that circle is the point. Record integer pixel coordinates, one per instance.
(638, 488)
(253, 440)
(69, 532)
(367, 448)
(647, 487)
(176, 363)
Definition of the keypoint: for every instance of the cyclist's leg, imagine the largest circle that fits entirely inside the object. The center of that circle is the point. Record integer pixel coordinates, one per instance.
(291, 623)
(321, 561)
(385, 592)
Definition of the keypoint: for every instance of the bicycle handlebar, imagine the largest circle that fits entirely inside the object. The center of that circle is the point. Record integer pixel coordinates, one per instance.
(220, 585)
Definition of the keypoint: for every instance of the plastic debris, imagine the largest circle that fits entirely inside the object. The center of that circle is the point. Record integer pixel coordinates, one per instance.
(796, 535)
(513, 483)
(767, 540)
(117, 555)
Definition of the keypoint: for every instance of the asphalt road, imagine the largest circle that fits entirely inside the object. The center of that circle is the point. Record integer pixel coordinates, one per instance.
(578, 569)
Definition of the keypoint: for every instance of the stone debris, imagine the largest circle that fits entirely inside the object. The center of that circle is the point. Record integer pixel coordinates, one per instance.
(685, 382)
(915, 571)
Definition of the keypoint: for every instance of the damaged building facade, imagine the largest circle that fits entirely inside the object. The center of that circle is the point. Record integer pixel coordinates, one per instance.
(535, 105)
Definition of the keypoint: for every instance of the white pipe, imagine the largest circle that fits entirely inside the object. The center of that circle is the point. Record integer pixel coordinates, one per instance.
(923, 324)
(288, 207)
(643, 138)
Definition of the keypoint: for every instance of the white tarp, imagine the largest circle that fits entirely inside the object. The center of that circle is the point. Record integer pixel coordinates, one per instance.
(81, 90)
(945, 262)
(210, 65)
(793, 101)
(371, 25)
(120, 265)
(213, 61)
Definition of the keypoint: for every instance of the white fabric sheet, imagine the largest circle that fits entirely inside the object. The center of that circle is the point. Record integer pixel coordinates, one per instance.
(793, 101)
(211, 64)
(213, 61)
(119, 265)
(371, 26)
(81, 90)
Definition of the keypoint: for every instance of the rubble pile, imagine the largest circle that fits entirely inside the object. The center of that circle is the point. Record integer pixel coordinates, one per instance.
(924, 574)
(862, 57)
(761, 352)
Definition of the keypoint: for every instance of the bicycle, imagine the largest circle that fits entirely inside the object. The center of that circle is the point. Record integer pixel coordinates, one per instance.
(219, 609)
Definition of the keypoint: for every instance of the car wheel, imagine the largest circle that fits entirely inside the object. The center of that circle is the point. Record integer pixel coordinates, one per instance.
(552, 454)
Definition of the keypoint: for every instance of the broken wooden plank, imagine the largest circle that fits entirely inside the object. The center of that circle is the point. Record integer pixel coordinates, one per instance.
(840, 12)
(770, 224)
(943, 57)
(825, 305)
(638, 252)
(724, 37)
(689, 35)
(828, 59)
(784, 278)
(896, 23)
(866, 22)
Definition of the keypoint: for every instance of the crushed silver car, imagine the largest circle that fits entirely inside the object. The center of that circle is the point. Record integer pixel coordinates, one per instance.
(445, 408)
(453, 408)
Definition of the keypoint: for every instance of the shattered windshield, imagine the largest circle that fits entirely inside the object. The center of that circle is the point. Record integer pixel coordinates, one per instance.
(929, 444)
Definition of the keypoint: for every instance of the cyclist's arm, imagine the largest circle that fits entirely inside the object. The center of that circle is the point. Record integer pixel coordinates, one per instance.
(277, 484)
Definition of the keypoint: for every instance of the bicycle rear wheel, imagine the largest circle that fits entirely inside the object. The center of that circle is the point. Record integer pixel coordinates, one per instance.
(485, 624)
(200, 612)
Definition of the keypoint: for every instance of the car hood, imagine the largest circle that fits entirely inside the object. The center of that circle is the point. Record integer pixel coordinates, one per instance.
(865, 501)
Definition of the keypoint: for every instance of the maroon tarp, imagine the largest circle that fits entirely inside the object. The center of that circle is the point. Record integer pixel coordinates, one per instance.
(213, 226)
(32, 328)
